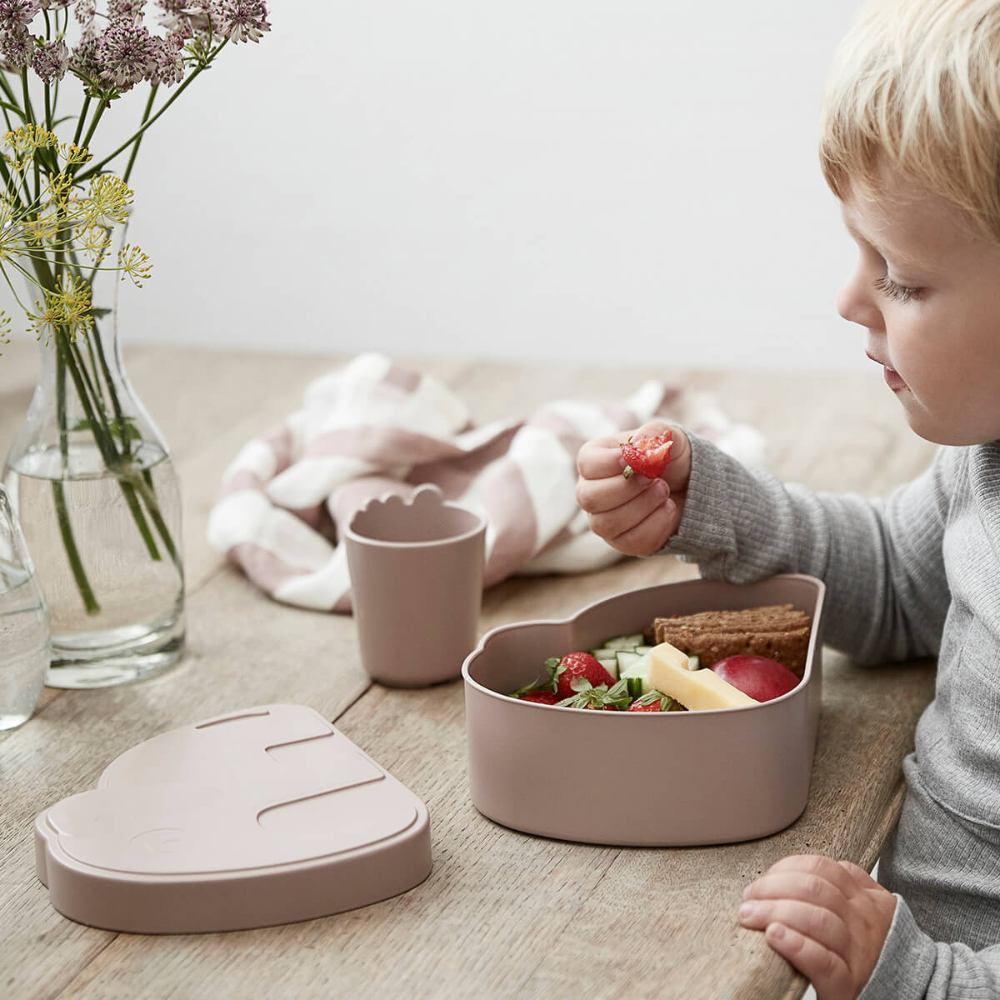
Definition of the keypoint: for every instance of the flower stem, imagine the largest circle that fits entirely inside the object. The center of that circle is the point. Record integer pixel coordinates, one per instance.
(81, 120)
(94, 121)
(102, 435)
(59, 497)
(139, 135)
(144, 487)
(96, 169)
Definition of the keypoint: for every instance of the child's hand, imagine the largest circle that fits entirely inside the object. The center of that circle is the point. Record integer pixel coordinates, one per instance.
(828, 918)
(635, 515)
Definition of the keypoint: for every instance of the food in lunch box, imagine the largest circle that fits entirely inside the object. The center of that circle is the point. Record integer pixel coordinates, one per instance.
(697, 690)
(647, 456)
(585, 666)
(655, 702)
(776, 631)
(540, 697)
(757, 676)
(685, 673)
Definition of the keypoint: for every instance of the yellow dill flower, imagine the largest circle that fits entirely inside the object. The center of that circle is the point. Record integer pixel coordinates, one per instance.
(58, 187)
(66, 307)
(10, 231)
(72, 154)
(94, 242)
(40, 229)
(44, 322)
(72, 297)
(135, 264)
(28, 138)
(4, 327)
(107, 202)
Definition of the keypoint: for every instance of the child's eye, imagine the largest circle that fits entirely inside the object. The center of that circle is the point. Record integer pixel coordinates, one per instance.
(901, 293)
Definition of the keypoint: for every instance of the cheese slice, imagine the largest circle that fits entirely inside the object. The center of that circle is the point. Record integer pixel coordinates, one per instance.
(696, 690)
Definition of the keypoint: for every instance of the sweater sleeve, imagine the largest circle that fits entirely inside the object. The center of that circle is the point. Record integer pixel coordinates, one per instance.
(881, 560)
(913, 967)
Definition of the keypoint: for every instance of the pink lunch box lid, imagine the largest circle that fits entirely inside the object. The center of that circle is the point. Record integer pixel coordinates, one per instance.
(263, 816)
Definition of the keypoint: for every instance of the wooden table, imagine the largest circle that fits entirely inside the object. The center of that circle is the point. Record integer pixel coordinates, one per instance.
(502, 914)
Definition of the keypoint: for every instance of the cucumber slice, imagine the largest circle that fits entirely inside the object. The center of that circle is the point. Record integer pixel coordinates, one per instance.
(643, 650)
(694, 663)
(639, 669)
(624, 641)
(603, 653)
(625, 659)
(634, 687)
(609, 664)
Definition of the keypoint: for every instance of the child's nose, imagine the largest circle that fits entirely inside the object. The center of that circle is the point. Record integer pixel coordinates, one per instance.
(857, 305)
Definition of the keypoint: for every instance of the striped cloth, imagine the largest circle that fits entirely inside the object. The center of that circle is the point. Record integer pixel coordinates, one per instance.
(373, 427)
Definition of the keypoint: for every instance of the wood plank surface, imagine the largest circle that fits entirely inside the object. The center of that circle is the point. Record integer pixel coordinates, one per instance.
(502, 914)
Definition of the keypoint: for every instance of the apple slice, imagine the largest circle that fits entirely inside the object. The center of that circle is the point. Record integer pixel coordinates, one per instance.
(756, 676)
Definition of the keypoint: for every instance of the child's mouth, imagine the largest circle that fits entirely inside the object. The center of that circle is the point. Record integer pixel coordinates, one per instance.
(893, 379)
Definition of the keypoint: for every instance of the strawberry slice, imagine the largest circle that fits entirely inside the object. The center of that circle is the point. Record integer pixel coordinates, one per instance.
(647, 456)
(653, 702)
(564, 671)
(539, 697)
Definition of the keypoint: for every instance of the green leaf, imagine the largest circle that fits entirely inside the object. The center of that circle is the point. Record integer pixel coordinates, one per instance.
(13, 107)
(113, 428)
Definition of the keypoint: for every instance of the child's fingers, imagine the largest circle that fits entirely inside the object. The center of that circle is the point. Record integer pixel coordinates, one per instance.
(826, 970)
(596, 496)
(803, 886)
(820, 866)
(650, 534)
(614, 522)
(678, 470)
(861, 878)
(601, 458)
(821, 925)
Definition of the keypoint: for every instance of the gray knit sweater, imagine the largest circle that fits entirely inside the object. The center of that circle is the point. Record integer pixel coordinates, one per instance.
(915, 575)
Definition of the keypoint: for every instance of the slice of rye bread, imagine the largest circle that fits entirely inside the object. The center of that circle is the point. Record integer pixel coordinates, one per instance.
(776, 631)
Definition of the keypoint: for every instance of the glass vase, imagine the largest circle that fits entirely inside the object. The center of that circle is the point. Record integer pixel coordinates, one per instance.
(24, 625)
(92, 483)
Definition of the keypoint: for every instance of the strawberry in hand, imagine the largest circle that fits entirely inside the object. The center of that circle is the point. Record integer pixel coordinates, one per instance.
(647, 456)
(574, 665)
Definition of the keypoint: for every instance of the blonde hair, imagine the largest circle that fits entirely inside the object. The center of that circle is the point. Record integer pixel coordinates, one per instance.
(916, 85)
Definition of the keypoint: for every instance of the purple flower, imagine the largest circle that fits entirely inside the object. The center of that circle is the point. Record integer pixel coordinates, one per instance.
(126, 54)
(16, 46)
(86, 57)
(17, 13)
(84, 11)
(187, 18)
(51, 61)
(168, 59)
(242, 20)
(129, 11)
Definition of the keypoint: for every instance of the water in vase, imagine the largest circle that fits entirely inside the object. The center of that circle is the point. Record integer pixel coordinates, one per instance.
(24, 645)
(119, 614)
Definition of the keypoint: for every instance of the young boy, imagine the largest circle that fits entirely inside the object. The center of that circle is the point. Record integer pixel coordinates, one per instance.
(911, 147)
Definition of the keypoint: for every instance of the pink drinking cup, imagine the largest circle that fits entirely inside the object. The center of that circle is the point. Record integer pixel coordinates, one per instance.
(416, 584)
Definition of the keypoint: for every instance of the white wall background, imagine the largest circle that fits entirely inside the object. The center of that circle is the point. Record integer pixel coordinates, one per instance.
(591, 179)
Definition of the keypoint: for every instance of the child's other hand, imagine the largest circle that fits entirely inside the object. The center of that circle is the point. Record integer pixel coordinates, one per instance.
(827, 918)
(635, 515)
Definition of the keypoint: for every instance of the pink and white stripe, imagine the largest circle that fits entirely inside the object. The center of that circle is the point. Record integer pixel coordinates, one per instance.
(373, 427)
